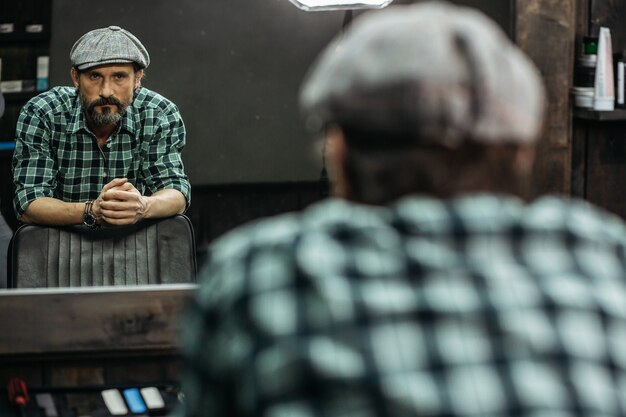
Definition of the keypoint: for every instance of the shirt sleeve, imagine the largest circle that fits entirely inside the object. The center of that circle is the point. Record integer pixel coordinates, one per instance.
(163, 168)
(33, 164)
(213, 347)
(237, 317)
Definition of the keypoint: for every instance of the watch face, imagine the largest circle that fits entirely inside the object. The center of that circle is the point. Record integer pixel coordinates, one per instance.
(89, 219)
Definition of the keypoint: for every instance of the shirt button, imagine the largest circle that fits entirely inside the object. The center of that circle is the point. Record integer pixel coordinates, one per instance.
(104, 175)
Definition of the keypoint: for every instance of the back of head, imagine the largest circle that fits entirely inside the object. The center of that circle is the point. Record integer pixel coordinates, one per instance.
(432, 72)
(431, 98)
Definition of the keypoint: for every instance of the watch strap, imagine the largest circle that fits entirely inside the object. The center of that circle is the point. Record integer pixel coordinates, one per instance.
(89, 219)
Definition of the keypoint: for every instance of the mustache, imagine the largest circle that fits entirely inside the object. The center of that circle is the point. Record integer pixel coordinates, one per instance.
(104, 102)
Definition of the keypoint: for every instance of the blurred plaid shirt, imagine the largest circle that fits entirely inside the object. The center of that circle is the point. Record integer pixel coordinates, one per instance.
(57, 156)
(478, 306)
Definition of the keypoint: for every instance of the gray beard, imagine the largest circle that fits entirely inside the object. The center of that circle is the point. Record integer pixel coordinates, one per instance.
(103, 118)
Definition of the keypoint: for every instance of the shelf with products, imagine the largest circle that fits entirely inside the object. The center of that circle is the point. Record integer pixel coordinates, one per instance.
(600, 116)
(25, 28)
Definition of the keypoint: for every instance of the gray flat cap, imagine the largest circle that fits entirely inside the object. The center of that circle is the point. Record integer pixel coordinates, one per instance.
(112, 45)
(432, 71)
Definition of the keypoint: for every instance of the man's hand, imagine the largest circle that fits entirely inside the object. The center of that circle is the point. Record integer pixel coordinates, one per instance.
(120, 203)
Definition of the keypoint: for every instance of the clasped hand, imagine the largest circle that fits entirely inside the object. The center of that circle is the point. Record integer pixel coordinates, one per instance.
(119, 203)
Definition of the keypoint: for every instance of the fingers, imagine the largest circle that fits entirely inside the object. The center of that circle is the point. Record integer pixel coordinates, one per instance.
(118, 218)
(116, 194)
(121, 215)
(123, 207)
(116, 182)
(120, 203)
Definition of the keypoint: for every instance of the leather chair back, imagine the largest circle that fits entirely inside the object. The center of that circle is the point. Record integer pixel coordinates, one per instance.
(150, 252)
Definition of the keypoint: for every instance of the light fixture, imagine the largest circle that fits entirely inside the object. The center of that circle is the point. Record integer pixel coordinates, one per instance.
(319, 5)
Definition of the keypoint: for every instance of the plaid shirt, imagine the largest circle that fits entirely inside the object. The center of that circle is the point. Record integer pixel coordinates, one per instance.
(56, 155)
(479, 306)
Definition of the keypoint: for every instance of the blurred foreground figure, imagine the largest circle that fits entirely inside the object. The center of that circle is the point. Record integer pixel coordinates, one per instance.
(428, 287)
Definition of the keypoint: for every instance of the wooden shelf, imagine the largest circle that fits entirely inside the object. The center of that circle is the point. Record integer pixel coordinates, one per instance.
(21, 96)
(18, 37)
(601, 116)
(7, 146)
(6, 151)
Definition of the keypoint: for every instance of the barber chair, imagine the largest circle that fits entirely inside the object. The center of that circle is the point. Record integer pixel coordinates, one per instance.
(150, 252)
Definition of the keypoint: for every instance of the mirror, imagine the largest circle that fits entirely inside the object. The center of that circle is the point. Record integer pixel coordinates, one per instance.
(320, 5)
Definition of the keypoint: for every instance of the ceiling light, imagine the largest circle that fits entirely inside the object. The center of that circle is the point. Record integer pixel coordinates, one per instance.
(319, 5)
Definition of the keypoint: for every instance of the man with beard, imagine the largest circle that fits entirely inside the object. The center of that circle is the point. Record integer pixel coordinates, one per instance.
(107, 151)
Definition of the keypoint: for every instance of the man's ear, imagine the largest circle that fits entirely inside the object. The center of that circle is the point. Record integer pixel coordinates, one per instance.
(336, 155)
(138, 77)
(75, 76)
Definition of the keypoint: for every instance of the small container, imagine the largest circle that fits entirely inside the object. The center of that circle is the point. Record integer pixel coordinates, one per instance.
(584, 76)
(42, 73)
(583, 97)
(7, 27)
(590, 45)
(588, 61)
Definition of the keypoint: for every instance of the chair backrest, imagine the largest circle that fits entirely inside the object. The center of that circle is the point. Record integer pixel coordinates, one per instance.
(149, 252)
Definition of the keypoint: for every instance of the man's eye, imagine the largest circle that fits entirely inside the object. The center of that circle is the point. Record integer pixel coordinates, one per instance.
(94, 76)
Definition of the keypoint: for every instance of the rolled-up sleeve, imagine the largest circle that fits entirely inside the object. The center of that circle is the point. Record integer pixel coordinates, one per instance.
(163, 168)
(33, 166)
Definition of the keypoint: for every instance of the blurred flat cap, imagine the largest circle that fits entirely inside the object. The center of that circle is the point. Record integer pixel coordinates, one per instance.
(111, 45)
(433, 72)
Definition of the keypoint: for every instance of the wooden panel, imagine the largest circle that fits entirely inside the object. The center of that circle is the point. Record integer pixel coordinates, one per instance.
(129, 371)
(579, 160)
(73, 374)
(606, 169)
(599, 151)
(546, 32)
(609, 13)
(96, 369)
(92, 319)
(218, 209)
(26, 370)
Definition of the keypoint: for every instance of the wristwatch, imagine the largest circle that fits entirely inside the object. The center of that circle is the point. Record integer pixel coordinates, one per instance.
(88, 217)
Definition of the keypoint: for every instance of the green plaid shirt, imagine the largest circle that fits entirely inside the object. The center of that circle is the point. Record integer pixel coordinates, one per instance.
(476, 306)
(56, 155)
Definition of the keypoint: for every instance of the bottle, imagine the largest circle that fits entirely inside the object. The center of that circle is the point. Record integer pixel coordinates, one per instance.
(42, 73)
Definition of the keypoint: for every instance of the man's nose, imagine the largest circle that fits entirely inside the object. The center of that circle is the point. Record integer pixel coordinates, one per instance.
(105, 89)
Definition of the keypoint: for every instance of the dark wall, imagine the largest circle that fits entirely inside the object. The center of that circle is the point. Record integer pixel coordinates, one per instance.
(234, 68)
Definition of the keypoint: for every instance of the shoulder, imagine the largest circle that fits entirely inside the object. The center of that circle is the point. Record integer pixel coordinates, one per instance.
(331, 219)
(578, 218)
(148, 99)
(57, 99)
(275, 251)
